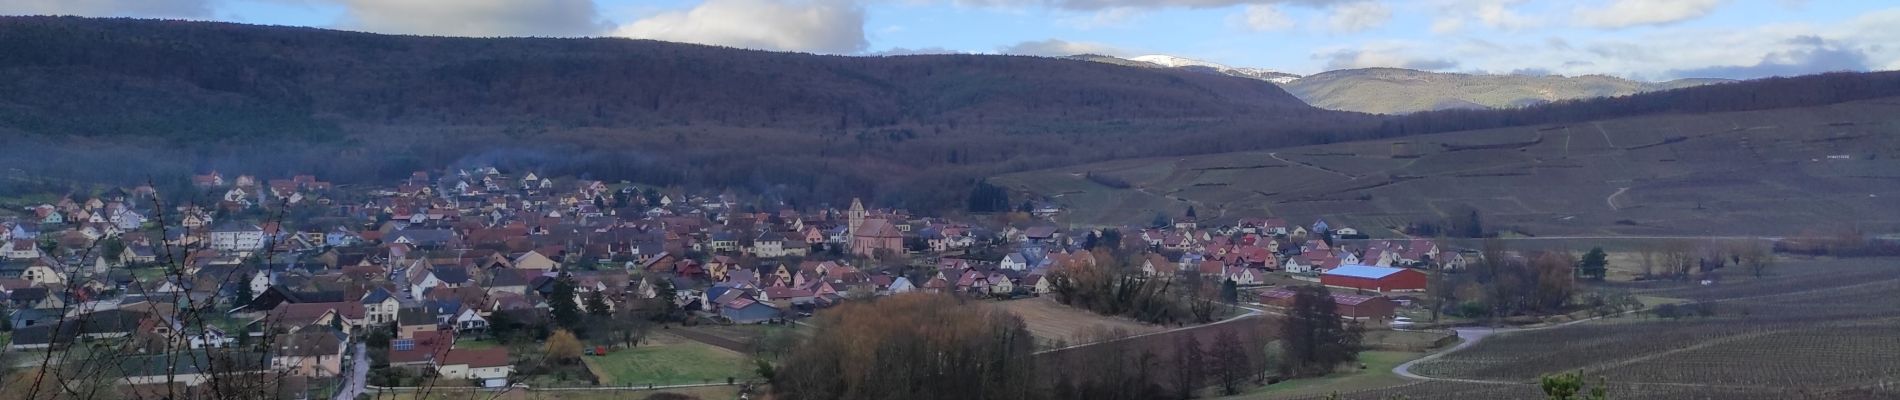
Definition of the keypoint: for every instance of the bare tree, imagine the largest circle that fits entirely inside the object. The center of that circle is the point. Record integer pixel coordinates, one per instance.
(1757, 257)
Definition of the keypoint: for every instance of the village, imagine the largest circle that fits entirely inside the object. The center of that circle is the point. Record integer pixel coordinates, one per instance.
(426, 276)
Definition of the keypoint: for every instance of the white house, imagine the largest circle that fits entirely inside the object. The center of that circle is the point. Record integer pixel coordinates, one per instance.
(20, 249)
(469, 319)
(235, 236)
(1014, 262)
(901, 285)
(488, 367)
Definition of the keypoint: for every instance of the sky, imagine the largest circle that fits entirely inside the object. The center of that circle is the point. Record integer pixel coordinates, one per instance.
(1639, 39)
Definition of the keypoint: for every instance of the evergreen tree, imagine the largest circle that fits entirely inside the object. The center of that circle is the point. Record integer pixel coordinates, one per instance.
(1595, 264)
(668, 299)
(243, 294)
(501, 326)
(597, 304)
(561, 304)
(1230, 291)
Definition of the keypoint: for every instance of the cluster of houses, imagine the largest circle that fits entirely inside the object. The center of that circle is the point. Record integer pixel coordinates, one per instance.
(438, 255)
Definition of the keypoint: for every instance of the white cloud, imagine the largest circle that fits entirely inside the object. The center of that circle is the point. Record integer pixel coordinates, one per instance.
(1447, 24)
(1104, 18)
(1860, 43)
(819, 26)
(476, 17)
(1264, 18)
(1381, 55)
(1059, 47)
(1107, 4)
(903, 51)
(1453, 15)
(1628, 13)
(1358, 16)
(109, 8)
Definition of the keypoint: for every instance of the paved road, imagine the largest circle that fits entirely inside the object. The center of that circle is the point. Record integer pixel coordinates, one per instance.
(1470, 337)
(358, 374)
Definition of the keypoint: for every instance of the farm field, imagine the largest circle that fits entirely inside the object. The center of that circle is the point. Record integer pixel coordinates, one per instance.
(1377, 374)
(670, 360)
(1050, 321)
(1824, 329)
(1758, 173)
(738, 338)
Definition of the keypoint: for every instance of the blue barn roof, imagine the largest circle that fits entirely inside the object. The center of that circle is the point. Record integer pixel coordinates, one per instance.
(1363, 271)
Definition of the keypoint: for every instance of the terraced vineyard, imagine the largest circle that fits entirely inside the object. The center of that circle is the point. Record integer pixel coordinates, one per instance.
(1827, 329)
(1754, 173)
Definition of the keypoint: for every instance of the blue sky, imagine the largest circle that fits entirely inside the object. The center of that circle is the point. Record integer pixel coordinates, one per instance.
(1641, 39)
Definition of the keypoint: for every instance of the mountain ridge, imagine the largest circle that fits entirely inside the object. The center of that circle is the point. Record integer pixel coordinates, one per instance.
(85, 92)
(1184, 63)
(1401, 91)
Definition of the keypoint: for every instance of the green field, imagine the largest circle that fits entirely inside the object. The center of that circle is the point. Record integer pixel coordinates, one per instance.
(670, 362)
(1772, 172)
(476, 344)
(1377, 374)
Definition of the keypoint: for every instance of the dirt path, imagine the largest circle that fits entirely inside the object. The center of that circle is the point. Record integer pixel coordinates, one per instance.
(1251, 312)
(1606, 134)
(1276, 156)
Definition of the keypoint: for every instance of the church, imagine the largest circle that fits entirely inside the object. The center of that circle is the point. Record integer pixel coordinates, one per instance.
(868, 235)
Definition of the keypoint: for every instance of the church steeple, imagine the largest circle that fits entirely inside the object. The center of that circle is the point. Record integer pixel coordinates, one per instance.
(855, 216)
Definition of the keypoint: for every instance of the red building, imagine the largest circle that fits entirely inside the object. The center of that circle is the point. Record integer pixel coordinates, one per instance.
(1378, 279)
(1374, 309)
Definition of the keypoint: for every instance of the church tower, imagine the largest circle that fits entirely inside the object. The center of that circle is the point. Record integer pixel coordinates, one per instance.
(855, 217)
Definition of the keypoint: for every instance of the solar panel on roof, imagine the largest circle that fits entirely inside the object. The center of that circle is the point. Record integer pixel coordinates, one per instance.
(403, 344)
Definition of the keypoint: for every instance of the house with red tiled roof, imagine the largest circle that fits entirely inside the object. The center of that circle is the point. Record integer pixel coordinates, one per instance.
(488, 367)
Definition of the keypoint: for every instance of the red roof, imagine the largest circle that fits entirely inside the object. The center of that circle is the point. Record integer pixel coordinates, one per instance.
(303, 313)
(484, 358)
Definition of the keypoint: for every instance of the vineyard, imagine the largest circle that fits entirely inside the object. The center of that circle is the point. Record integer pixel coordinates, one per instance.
(1823, 329)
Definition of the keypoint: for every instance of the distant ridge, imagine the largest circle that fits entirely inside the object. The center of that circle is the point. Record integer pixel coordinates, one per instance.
(1400, 91)
(1167, 61)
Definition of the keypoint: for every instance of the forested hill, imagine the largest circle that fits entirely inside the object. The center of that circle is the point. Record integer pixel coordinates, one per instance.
(690, 113)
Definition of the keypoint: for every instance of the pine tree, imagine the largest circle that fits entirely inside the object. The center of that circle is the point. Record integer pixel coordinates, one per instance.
(243, 294)
(1595, 264)
(567, 313)
(597, 304)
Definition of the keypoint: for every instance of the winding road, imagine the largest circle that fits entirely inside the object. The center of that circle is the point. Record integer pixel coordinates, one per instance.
(1468, 337)
(1612, 198)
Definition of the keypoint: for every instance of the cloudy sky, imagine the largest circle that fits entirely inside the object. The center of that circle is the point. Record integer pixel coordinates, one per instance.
(1641, 39)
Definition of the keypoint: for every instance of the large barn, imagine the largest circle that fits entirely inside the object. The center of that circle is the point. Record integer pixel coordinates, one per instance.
(1376, 310)
(1378, 279)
